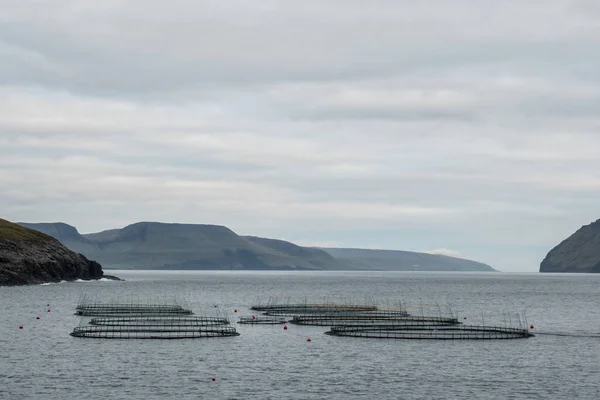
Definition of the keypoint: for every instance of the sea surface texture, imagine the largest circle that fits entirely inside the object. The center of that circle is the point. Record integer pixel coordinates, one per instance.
(42, 361)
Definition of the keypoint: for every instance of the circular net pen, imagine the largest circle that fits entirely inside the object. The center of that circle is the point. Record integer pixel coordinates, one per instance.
(387, 319)
(172, 321)
(130, 310)
(262, 320)
(281, 309)
(419, 332)
(153, 332)
(135, 320)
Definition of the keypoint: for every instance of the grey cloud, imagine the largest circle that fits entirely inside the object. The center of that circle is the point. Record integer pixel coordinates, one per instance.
(154, 48)
(465, 126)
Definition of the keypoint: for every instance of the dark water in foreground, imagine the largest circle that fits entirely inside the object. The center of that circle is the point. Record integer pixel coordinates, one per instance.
(42, 361)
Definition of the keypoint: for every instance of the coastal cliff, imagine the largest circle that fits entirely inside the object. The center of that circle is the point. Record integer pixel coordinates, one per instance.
(580, 252)
(29, 257)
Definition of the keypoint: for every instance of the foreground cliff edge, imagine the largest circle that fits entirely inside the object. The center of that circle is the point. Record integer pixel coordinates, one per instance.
(580, 252)
(31, 257)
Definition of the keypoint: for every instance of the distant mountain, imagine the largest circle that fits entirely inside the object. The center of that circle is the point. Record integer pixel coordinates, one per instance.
(580, 252)
(398, 260)
(156, 245)
(316, 257)
(187, 246)
(28, 256)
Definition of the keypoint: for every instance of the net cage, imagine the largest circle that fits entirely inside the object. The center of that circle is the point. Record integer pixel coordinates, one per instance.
(172, 321)
(152, 331)
(262, 320)
(431, 332)
(147, 320)
(370, 319)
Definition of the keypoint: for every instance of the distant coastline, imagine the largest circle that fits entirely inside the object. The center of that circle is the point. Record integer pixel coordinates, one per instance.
(155, 245)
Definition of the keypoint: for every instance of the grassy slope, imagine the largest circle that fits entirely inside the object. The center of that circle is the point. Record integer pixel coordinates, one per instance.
(11, 231)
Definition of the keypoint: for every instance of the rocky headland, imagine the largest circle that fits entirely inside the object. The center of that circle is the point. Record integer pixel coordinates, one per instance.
(31, 257)
(580, 252)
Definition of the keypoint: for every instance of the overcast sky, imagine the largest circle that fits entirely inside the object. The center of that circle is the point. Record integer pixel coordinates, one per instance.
(467, 127)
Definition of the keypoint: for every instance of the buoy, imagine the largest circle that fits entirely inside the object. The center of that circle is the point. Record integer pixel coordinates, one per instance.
(531, 326)
(308, 340)
(48, 305)
(235, 310)
(214, 379)
(253, 317)
(285, 327)
(37, 317)
(48, 310)
(20, 326)
(464, 317)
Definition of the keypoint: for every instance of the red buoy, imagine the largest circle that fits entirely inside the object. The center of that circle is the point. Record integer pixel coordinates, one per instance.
(531, 326)
(308, 340)
(20, 326)
(48, 310)
(464, 317)
(214, 379)
(285, 327)
(253, 317)
(37, 317)
(235, 310)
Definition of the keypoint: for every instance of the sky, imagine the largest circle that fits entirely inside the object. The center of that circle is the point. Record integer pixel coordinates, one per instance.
(468, 128)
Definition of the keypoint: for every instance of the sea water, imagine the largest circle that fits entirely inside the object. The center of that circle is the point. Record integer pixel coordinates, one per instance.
(42, 361)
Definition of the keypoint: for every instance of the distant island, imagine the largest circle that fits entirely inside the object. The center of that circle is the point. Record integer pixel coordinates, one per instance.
(154, 245)
(28, 256)
(580, 252)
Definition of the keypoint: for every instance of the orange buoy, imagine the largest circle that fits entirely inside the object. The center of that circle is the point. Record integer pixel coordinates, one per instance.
(285, 327)
(214, 379)
(20, 326)
(308, 340)
(531, 326)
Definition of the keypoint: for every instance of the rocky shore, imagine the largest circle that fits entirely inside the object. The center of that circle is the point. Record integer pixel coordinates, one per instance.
(30, 257)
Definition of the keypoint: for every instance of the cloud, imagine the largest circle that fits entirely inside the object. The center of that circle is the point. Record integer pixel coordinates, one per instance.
(445, 252)
(413, 126)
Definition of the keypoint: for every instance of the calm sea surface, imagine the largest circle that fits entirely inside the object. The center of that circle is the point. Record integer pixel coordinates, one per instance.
(41, 361)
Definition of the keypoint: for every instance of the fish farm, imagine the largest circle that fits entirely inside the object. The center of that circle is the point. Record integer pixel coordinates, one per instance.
(262, 320)
(373, 321)
(305, 308)
(175, 321)
(369, 320)
(171, 320)
(431, 332)
(157, 331)
(129, 309)
(147, 321)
